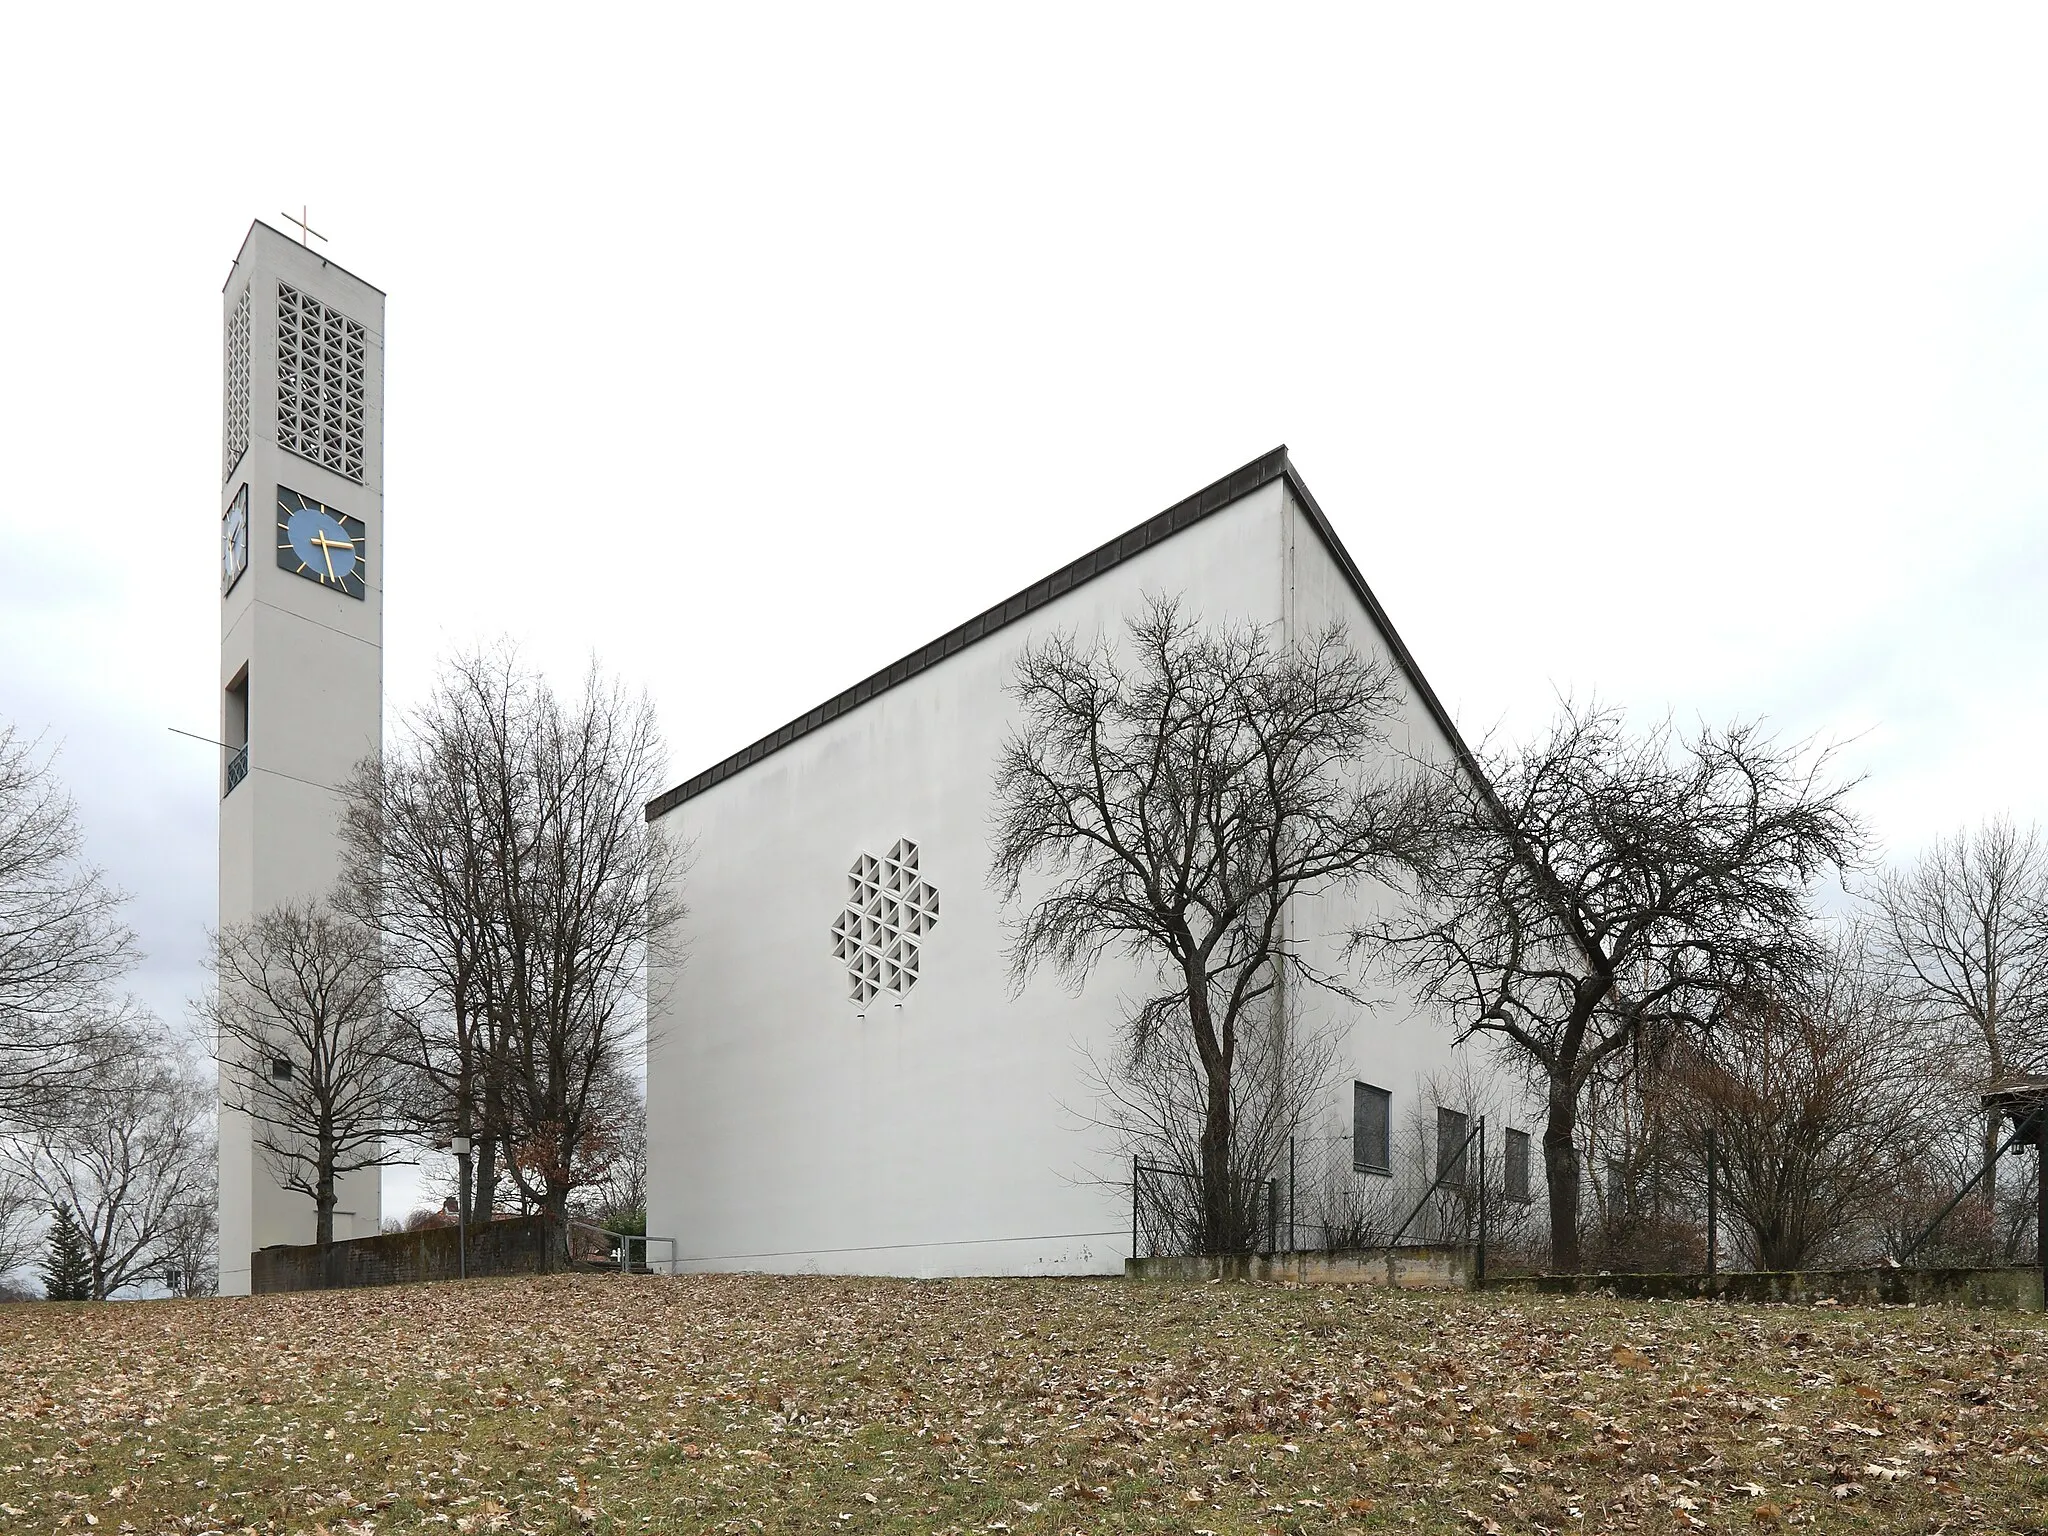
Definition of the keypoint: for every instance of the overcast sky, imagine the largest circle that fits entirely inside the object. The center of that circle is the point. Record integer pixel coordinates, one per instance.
(1699, 363)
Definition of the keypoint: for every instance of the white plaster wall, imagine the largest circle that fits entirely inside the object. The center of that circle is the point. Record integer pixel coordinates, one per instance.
(947, 1135)
(1389, 1042)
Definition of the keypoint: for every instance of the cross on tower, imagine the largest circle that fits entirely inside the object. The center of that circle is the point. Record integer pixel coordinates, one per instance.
(305, 229)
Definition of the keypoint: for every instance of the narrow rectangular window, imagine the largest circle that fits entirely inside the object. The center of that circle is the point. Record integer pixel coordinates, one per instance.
(1620, 1201)
(1371, 1129)
(1518, 1166)
(234, 726)
(1452, 1156)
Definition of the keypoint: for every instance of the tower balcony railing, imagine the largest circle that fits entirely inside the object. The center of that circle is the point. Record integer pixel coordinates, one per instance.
(238, 769)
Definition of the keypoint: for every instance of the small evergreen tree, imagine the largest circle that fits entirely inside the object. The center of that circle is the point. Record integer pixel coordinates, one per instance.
(67, 1272)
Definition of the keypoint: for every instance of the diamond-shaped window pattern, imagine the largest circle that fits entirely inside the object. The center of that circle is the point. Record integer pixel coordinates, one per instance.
(889, 908)
(322, 366)
(234, 440)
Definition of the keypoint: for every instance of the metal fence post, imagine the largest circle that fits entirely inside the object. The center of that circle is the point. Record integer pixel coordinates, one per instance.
(1479, 1257)
(1134, 1207)
(2041, 1212)
(1713, 1212)
(1290, 1196)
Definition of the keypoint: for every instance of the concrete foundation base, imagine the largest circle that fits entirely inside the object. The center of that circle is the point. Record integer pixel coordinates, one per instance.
(2012, 1288)
(1442, 1267)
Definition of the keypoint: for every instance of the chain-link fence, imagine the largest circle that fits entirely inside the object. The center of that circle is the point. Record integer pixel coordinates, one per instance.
(1169, 1217)
(1442, 1185)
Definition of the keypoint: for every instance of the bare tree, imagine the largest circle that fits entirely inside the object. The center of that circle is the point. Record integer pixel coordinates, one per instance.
(1610, 883)
(130, 1155)
(304, 1046)
(1965, 935)
(415, 830)
(520, 891)
(192, 1243)
(617, 1177)
(1153, 1099)
(1817, 1100)
(62, 942)
(21, 1208)
(1176, 793)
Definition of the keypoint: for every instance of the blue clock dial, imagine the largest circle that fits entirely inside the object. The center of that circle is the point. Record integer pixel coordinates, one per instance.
(321, 543)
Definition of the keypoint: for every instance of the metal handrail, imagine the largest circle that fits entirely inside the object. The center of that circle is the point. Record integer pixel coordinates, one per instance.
(1976, 1178)
(238, 769)
(623, 1245)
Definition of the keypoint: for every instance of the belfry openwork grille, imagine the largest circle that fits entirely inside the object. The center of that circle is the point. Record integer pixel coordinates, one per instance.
(889, 909)
(322, 365)
(234, 440)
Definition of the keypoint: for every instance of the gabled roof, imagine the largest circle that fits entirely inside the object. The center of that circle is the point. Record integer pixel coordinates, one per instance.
(325, 261)
(1154, 530)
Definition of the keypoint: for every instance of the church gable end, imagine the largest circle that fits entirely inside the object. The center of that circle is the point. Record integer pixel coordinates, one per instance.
(1155, 530)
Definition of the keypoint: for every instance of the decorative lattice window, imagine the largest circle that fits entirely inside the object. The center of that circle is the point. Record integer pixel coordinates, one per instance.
(234, 440)
(322, 373)
(890, 907)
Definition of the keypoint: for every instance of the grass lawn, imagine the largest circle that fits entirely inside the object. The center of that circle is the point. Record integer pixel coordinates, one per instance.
(591, 1403)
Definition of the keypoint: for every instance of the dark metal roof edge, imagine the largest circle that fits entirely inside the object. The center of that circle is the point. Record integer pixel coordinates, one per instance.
(1403, 657)
(256, 224)
(1239, 483)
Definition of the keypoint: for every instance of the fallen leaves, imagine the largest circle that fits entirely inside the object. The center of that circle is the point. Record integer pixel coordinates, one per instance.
(800, 1404)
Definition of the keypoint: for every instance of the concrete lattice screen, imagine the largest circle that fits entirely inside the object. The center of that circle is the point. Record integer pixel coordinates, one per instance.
(890, 907)
(322, 398)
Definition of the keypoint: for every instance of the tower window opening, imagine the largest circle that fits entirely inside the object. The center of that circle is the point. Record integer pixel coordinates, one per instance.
(235, 731)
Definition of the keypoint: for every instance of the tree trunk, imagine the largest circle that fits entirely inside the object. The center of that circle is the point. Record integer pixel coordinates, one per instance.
(483, 1180)
(324, 1201)
(484, 1186)
(1561, 1172)
(555, 1207)
(1994, 1051)
(1220, 1232)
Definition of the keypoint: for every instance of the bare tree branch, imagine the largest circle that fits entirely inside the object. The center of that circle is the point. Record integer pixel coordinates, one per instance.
(1965, 940)
(62, 943)
(1166, 799)
(304, 1046)
(1616, 882)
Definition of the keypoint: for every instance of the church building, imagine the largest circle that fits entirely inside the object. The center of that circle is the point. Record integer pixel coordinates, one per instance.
(840, 1077)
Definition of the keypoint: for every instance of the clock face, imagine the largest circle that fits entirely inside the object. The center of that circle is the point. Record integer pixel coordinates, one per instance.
(234, 541)
(320, 543)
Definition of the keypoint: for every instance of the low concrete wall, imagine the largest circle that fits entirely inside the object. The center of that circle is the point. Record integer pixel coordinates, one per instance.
(1439, 1267)
(2018, 1289)
(511, 1247)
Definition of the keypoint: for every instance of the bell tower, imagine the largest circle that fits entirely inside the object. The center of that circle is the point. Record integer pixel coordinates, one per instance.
(301, 636)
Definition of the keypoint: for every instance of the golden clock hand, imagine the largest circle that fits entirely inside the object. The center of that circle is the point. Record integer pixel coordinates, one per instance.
(327, 546)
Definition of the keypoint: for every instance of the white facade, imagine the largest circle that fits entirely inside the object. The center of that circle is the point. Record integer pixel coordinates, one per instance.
(302, 661)
(943, 1129)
